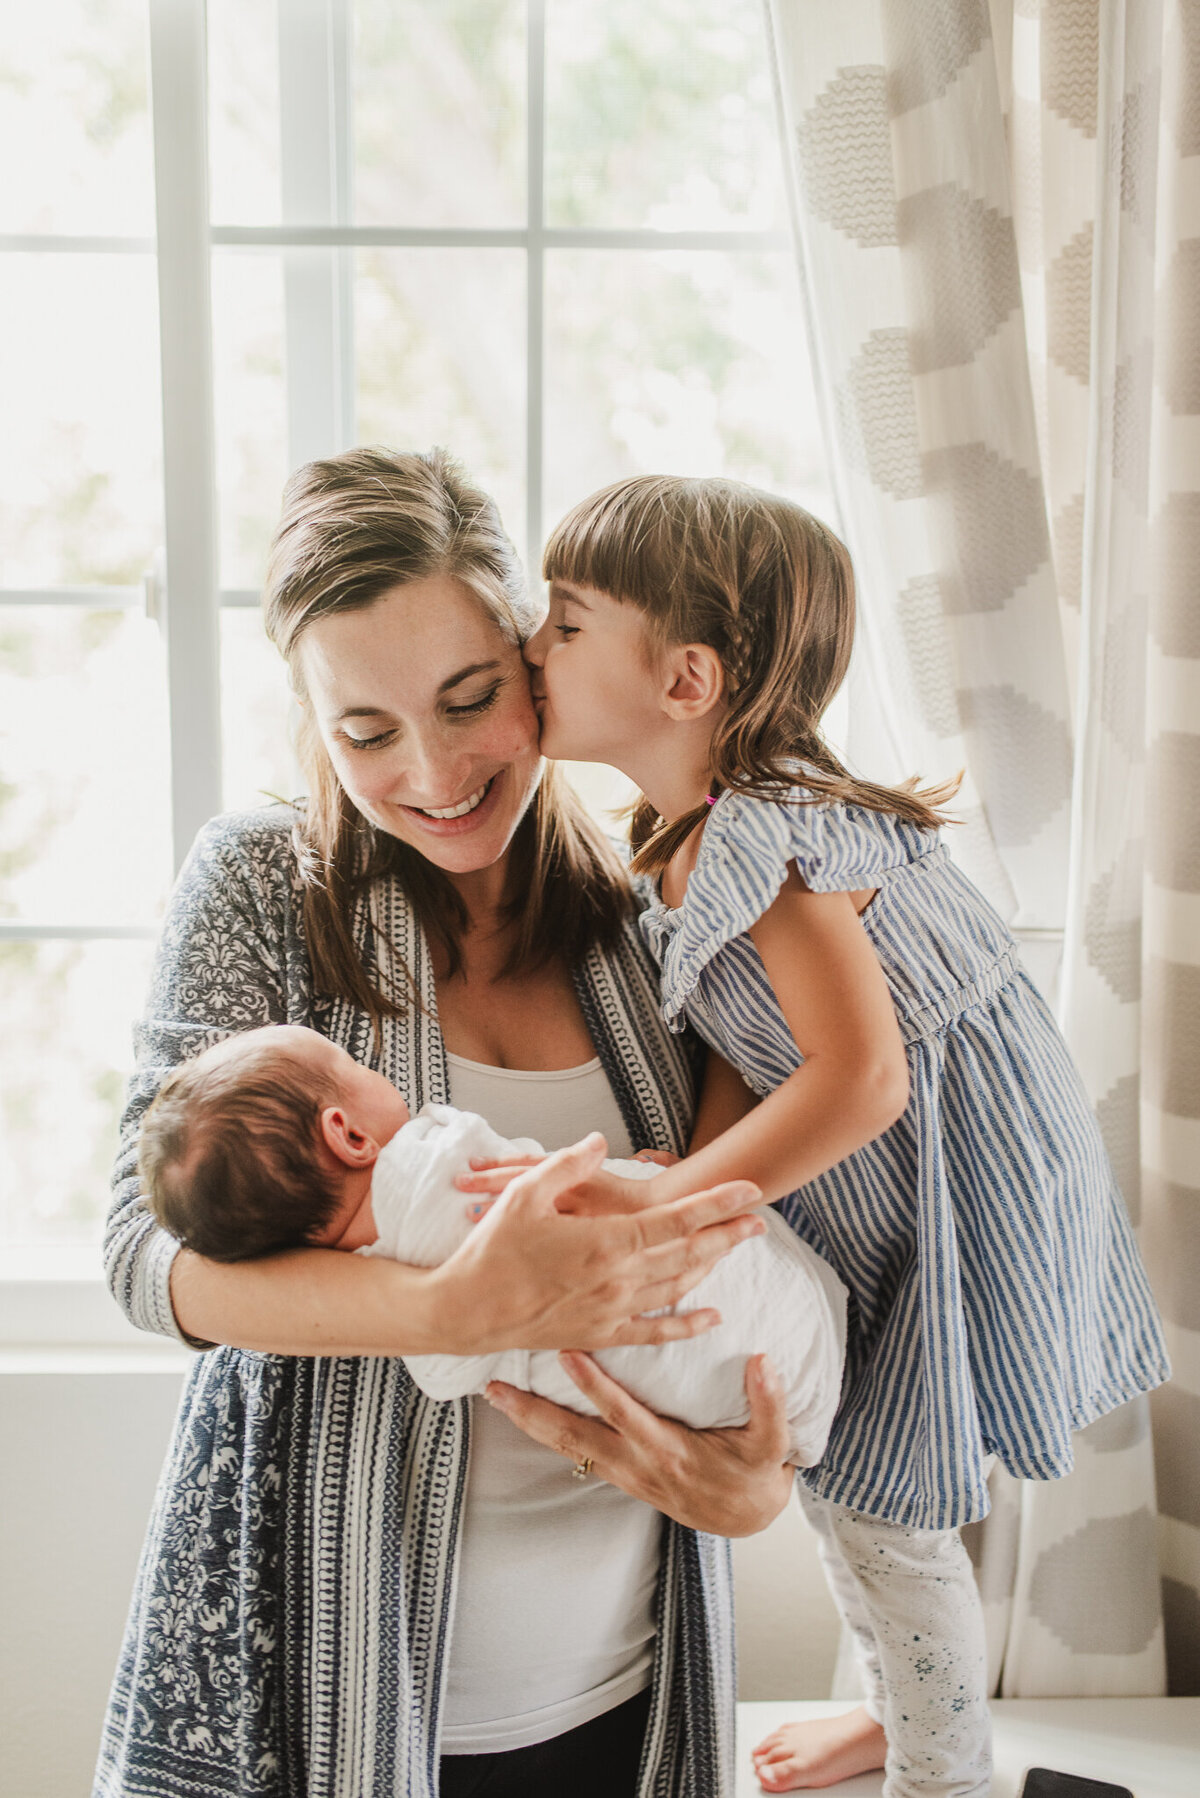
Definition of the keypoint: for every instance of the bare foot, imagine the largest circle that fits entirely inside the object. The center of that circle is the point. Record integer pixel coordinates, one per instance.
(800, 1756)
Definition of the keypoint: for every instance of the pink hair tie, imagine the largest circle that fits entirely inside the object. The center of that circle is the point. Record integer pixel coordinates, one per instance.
(710, 798)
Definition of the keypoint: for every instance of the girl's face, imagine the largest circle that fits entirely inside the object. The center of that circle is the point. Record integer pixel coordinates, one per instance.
(595, 682)
(424, 709)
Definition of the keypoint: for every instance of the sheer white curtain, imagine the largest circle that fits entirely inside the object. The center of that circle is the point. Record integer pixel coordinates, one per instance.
(997, 213)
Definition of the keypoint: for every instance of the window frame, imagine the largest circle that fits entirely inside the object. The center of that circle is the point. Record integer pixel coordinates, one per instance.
(182, 592)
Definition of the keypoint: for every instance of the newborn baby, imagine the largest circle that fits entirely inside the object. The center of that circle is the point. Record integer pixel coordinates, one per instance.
(277, 1138)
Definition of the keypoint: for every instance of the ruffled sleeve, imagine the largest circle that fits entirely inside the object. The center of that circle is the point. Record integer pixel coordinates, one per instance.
(744, 857)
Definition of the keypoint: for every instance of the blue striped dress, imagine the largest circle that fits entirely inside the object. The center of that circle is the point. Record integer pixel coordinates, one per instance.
(998, 1298)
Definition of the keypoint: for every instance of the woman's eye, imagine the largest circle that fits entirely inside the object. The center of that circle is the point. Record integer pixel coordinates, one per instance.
(385, 736)
(476, 705)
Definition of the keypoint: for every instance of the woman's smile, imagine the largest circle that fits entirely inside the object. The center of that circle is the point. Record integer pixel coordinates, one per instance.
(463, 815)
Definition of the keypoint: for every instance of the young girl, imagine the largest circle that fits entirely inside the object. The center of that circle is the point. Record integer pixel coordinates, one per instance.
(883, 1068)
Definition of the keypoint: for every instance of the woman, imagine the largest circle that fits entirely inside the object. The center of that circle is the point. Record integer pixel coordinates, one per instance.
(449, 915)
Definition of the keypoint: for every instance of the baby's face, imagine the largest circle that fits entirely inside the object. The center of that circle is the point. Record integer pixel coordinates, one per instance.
(369, 1099)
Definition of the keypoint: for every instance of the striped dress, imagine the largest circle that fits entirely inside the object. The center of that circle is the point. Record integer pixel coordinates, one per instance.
(998, 1300)
(288, 1630)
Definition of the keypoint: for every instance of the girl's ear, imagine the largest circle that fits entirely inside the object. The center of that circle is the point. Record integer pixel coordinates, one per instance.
(353, 1148)
(694, 680)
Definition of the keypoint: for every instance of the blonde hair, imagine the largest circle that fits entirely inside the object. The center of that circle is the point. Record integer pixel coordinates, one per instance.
(353, 527)
(771, 590)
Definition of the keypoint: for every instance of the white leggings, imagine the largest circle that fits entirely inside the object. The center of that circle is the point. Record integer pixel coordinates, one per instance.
(910, 1601)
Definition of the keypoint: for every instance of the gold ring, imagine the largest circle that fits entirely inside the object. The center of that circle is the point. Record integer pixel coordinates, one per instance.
(582, 1468)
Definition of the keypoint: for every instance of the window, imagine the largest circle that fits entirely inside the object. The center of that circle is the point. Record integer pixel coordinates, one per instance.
(549, 235)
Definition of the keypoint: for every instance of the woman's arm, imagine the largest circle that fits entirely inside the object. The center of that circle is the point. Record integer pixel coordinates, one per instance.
(726, 1482)
(528, 1276)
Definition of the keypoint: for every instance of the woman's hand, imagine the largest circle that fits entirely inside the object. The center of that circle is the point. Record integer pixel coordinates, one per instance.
(726, 1482)
(534, 1275)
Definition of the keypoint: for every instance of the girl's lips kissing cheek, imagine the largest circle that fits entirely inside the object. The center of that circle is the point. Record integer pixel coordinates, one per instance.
(464, 814)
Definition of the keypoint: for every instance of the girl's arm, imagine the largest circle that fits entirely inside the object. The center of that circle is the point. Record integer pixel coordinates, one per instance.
(724, 1100)
(854, 1080)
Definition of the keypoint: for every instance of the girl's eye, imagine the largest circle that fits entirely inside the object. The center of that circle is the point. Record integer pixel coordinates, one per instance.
(476, 705)
(567, 631)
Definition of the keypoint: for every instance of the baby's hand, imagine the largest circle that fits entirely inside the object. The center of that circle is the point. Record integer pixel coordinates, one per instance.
(660, 1157)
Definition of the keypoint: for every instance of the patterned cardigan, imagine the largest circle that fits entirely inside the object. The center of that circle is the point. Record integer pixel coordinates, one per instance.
(289, 1624)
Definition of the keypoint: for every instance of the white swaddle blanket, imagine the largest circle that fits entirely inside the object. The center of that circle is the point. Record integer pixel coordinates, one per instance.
(774, 1293)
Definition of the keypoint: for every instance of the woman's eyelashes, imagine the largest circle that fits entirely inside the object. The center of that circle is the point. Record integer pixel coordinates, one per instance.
(470, 710)
(476, 705)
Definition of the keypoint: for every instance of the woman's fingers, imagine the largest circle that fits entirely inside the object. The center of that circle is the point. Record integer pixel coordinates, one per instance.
(765, 1437)
(566, 1432)
(669, 1327)
(684, 1217)
(618, 1408)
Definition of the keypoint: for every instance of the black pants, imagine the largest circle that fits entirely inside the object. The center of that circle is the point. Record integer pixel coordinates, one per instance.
(598, 1760)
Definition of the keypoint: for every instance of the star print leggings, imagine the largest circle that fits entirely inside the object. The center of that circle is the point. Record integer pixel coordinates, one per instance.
(910, 1601)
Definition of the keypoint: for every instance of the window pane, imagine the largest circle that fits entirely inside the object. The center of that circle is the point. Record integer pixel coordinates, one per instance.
(250, 406)
(440, 341)
(677, 363)
(84, 766)
(75, 139)
(80, 463)
(439, 112)
(660, 113)
(65, 1055)
(257, 715)
(243, 112)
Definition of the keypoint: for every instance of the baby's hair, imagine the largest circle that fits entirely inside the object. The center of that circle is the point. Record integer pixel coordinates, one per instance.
(229, 1153)
(771, 589)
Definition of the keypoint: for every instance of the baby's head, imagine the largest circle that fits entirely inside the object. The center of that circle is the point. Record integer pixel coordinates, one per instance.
(254, 1145)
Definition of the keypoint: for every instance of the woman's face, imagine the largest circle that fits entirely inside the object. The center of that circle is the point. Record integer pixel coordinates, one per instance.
(424, 709)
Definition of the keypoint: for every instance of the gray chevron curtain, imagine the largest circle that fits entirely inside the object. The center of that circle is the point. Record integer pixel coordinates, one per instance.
(997, 217)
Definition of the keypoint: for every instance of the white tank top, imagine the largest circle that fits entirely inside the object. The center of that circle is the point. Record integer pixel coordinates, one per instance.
(554, 1611)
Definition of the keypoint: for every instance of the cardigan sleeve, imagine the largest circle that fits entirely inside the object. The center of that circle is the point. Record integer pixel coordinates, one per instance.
(219, 968)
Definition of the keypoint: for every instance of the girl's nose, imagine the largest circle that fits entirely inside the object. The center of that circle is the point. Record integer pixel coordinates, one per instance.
(535, 649)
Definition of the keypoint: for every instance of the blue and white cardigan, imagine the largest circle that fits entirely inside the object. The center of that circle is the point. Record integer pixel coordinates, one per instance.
(288, 1630)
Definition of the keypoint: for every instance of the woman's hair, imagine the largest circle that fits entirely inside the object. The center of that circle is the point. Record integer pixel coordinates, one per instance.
(354, 527)
(771, 590)
(229, 1153)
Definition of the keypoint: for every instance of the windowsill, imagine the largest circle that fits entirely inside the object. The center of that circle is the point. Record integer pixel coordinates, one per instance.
(54, 1302)
(158, 1357)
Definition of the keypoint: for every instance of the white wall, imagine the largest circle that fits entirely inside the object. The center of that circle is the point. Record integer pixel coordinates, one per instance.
(81, 1442)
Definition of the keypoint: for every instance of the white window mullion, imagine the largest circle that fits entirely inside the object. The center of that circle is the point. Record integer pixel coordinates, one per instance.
(535, 277)
(191, 626)
(318, 282)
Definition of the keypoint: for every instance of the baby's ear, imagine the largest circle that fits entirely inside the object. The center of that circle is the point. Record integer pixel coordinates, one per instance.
(353, 1148)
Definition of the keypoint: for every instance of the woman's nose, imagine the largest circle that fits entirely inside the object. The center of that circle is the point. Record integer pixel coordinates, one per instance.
(432, 765)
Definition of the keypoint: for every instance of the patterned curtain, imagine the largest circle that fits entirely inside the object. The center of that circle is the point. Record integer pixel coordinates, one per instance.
(997, 215)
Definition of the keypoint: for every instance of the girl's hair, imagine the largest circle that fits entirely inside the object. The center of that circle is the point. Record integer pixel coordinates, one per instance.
(354, 527)
(771, 589)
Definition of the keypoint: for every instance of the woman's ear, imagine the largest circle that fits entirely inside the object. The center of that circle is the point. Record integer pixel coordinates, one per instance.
(353, 1148)
(695, 680)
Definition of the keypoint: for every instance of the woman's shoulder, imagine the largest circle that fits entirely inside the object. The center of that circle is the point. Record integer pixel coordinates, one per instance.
(241, 860)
